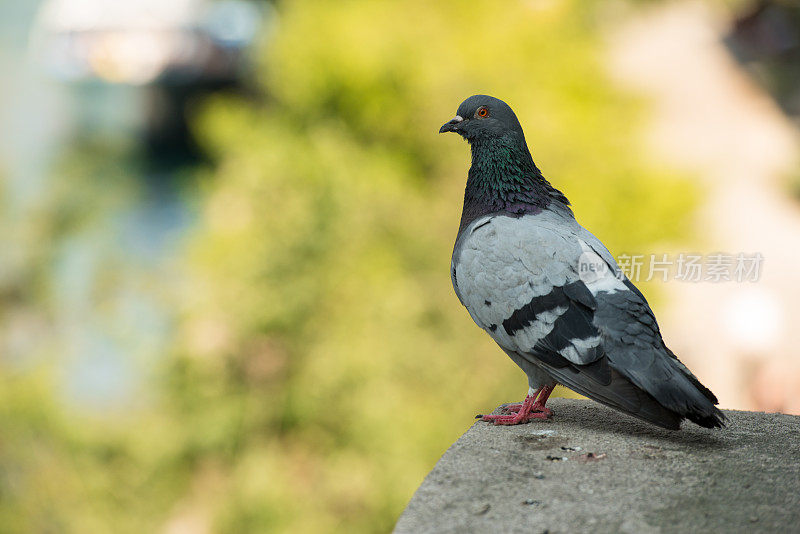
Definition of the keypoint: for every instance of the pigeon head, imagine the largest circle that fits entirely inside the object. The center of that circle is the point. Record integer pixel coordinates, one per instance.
(484, 117)
(503, 176)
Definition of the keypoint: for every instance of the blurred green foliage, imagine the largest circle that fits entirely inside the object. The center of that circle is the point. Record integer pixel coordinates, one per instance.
(322, 362)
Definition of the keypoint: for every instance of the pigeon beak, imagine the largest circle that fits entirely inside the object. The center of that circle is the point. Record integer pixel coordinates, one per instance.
(451, 125)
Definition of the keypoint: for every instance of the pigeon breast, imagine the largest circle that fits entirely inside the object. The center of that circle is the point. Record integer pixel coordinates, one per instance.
(518, 278)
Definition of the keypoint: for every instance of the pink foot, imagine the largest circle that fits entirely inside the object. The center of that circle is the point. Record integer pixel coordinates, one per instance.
(531, 408)
(515, 407)
(515, 419)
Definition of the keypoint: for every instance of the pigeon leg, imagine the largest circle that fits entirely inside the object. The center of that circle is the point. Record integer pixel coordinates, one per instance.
(531, 408)
(543, 394)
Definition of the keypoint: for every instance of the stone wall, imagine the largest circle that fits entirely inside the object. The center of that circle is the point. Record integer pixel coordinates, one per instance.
(591, 469)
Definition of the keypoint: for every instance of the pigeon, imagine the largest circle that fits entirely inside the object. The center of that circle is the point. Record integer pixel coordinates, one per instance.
(550, 293)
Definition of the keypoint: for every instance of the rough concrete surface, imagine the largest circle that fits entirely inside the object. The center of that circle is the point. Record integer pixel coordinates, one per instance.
(539, 477)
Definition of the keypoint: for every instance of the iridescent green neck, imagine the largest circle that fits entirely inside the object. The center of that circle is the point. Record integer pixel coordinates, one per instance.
(504, 178)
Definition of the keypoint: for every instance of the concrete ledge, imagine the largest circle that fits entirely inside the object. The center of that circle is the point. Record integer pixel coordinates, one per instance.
(593, 470)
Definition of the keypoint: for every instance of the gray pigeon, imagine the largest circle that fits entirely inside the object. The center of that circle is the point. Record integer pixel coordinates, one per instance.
(550, 293)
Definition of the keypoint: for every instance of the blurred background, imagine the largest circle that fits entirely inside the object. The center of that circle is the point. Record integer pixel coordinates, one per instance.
(226, 228)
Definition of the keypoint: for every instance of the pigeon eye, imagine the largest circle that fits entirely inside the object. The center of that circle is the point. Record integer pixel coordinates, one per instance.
(482, 112)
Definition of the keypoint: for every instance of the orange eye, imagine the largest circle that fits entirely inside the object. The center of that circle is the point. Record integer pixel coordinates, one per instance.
(482, 112)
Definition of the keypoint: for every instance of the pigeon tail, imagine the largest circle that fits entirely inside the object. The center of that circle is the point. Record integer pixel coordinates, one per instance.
(671, 384)
(691, 400)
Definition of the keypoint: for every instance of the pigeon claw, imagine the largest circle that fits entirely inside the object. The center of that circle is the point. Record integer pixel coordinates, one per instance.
(515, 419)
(515, 407)
(522, 412)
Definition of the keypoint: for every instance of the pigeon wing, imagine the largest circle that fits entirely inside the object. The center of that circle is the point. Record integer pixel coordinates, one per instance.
(635, 305)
